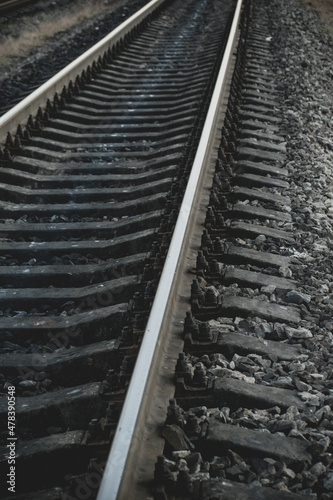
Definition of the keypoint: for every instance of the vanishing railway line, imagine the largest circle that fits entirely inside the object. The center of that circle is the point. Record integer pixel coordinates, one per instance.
(141, 207)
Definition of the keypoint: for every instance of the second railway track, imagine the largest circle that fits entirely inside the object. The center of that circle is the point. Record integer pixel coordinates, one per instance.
(91, 189)
(125, 186)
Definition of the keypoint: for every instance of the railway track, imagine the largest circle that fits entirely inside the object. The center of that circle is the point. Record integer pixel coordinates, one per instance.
(141, 207)
(91, 190)
(59, 50)
(10, 6)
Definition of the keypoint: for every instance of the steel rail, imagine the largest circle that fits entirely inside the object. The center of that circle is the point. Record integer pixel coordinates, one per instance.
(20, 113)
(12, 4)
(132, 430)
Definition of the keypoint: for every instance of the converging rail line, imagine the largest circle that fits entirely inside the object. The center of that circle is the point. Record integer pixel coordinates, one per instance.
(12, 5)
(157, 332)
(91, 189)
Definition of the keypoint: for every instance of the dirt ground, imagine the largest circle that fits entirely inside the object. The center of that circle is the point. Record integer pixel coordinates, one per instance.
(325, 7)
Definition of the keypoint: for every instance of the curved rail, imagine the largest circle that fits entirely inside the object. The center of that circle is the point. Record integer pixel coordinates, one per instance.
(118, 480)
(20, 113)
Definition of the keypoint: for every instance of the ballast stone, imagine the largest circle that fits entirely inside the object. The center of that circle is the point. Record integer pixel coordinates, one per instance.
(296, 297)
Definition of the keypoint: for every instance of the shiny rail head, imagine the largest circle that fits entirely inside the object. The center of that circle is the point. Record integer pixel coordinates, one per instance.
(29, 106)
